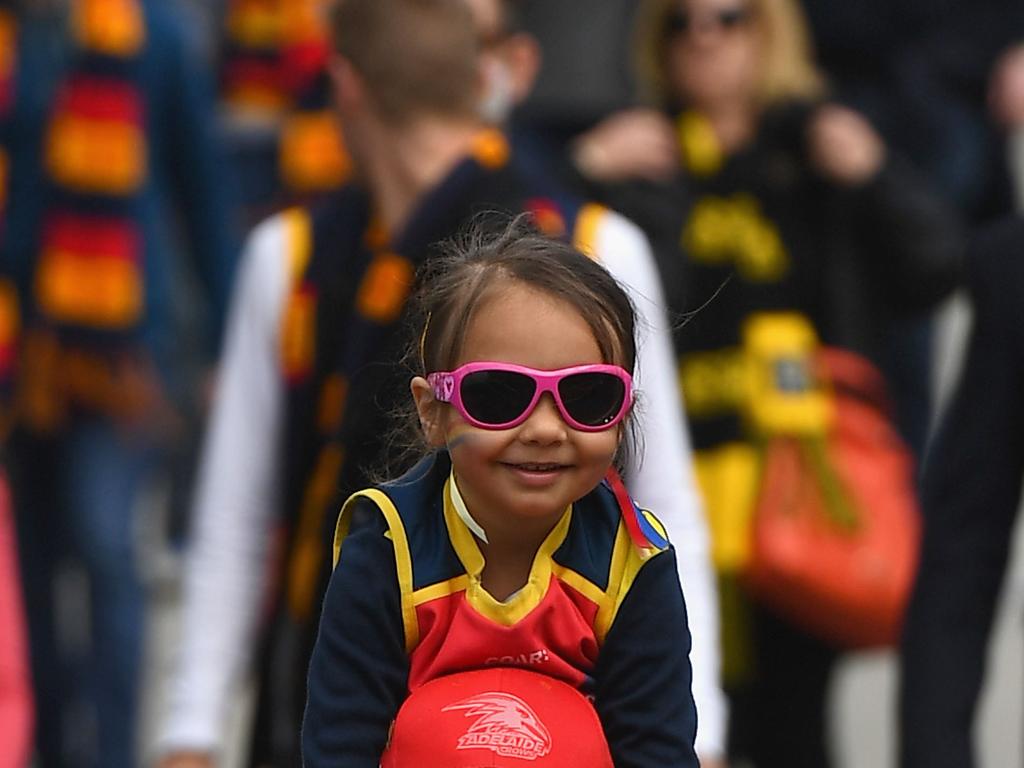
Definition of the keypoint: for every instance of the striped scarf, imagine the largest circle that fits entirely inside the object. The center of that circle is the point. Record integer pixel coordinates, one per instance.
(274, 70)
(9, 314)
(89, 279)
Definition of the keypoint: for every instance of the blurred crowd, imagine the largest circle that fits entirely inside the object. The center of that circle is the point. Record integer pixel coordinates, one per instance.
(211, 215)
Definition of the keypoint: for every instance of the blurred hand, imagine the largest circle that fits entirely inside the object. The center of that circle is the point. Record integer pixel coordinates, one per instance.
(632, 144)
(187, 760)
(1006, 88)
(712, 762)
(844, 147)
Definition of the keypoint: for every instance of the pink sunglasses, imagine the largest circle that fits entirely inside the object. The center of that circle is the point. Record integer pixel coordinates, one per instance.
(591, 398)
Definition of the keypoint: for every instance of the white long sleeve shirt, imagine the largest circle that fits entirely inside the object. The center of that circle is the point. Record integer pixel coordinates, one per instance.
(239, 488)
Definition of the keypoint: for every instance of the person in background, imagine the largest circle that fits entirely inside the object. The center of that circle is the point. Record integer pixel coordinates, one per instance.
(575, 88)
(971, 497)
(308, 377)
(114, 176)
(16, 718)
(943, 82)
(510, 58)
(763, 201)
(1006, 99)
(932, 75)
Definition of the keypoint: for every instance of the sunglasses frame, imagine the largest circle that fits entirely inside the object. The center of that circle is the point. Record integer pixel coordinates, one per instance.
(447, 388)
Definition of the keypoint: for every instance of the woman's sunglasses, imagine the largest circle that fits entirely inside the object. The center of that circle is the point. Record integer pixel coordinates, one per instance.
(680, 22)
(590, 398)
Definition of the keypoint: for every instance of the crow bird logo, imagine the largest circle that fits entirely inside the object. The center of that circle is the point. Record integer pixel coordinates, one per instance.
(505, 724)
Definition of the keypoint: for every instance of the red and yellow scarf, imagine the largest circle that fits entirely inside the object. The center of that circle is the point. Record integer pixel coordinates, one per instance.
(275, 68)
(9, 312)
(90, 269)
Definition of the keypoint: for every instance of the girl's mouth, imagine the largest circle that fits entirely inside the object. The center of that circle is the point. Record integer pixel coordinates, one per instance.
(540, 468)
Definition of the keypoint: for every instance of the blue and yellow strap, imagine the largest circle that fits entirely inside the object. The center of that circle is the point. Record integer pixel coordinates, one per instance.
(403, 559)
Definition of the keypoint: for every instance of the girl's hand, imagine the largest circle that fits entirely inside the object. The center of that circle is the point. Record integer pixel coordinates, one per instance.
(1006, 88)
(187, 760)
(712, 762)
(843, 146)
(632, 144)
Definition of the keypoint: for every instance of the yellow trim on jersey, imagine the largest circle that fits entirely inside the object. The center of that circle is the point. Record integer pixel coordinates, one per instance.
(441, 589)
(513, 610)
(584, 236)
(626, 563)
(403, 560)
(580, 583)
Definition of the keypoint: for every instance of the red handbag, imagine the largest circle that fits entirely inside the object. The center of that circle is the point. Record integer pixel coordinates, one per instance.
(836, 525)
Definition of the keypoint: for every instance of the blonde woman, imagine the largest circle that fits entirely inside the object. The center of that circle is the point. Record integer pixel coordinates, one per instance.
(763, 200)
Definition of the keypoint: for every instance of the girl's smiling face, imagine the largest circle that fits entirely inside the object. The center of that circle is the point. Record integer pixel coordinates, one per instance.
(533, 470)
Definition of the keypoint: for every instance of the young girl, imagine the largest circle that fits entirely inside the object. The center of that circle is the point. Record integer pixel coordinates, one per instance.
(512, 543)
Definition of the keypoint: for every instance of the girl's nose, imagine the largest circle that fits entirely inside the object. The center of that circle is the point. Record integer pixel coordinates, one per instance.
(545, 425)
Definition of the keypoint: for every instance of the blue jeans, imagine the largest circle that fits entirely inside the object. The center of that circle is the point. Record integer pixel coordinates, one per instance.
(75, 501)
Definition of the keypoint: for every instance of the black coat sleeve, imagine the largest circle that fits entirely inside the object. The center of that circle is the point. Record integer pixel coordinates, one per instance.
(359, 671)
(911, 236)
(971, 494)
(643, 676)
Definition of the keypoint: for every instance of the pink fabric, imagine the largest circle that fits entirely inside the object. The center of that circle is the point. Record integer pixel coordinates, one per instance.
(15, 686)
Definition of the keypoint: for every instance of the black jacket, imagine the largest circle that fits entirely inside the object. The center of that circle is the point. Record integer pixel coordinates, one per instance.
(972, 490)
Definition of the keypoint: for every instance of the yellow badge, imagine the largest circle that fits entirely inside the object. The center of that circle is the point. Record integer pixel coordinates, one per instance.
(786, 394)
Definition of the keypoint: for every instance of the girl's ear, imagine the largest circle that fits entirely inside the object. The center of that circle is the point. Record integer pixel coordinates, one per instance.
(429, 411)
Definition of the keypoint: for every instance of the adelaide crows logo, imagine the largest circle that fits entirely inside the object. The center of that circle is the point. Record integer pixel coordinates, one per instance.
(505, 724)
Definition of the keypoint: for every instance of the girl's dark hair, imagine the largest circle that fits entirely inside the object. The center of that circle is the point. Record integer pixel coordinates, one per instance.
(476, 264)
(483, 259)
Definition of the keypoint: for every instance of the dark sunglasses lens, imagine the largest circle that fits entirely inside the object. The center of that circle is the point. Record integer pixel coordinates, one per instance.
(496, 397)
(592, 399)
(733, 17)
(679, 22)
